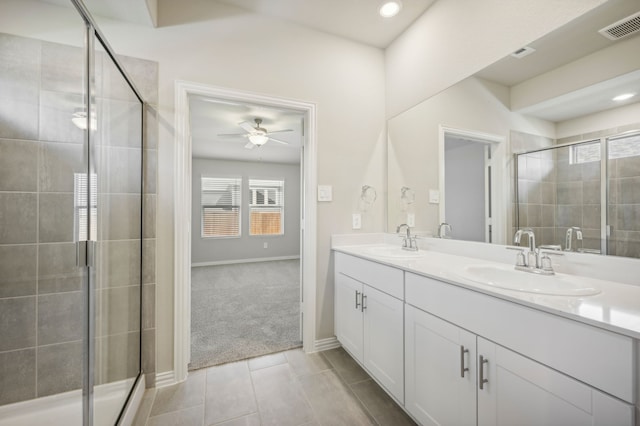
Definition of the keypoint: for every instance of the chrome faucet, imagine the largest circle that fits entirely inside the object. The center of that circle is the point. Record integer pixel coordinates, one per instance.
(408, 242)
(569, 237)
(444, 230)
(534, 259)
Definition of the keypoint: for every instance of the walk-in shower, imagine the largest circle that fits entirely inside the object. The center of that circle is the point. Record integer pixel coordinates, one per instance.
(582, 196)
(71, 152)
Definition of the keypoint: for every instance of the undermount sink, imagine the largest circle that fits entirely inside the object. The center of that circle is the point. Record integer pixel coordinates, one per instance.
(393, 252)
(508, 278)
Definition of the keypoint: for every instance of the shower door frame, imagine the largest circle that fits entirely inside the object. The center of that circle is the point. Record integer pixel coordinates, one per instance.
(87, 249)
(604, 183)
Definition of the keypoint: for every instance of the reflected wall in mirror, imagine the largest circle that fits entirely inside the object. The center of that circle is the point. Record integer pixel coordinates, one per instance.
(561, 93)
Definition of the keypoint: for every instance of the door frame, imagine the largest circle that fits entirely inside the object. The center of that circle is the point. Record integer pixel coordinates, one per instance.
(498, 170)
(182, 213)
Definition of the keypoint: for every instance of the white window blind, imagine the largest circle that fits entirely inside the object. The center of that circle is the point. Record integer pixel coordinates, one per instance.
(84, 207)
(220, 200)
(266, 207)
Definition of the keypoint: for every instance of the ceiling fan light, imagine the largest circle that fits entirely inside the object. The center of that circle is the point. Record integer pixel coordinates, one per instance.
(258, 139)
(390, 8)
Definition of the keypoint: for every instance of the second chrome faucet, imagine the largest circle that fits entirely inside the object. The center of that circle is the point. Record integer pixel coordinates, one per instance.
(534, 259)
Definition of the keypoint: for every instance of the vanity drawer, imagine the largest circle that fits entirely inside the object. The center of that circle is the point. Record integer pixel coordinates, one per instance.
(602, 359)
(381, 277)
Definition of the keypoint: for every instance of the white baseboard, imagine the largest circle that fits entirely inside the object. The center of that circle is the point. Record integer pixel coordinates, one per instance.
(326, 344)
(166, 378)
(233, 262)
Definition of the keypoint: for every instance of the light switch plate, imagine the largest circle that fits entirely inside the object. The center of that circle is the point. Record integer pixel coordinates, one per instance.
(411, 219)
(434, 196)
(356, 221)
(325, 193)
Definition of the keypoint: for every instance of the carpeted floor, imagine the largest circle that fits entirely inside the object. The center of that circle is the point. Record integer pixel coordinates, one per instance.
(244, 310)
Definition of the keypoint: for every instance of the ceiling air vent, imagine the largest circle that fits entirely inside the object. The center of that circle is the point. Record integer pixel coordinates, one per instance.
(523, 51)
(623, 28)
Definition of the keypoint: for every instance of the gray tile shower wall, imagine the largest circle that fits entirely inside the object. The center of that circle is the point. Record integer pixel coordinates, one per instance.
(623, 199)
(537, 187)
(41, 306)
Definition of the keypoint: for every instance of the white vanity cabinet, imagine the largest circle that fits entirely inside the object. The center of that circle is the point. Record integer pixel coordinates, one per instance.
(369, 318)
(440, 370)
(445, 365)
(543, 379)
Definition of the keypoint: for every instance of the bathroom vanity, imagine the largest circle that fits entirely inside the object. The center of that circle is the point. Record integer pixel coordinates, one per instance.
(453, 350)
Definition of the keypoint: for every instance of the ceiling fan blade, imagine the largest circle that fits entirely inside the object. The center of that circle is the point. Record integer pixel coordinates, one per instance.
(278, 140)
(248, 127)
(280, 131)
(250, 145)
(231, 134)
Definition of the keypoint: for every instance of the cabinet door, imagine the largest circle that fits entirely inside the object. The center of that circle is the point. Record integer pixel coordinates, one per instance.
(440, 370)
(383, 340)
(348, 314)
(523, 392)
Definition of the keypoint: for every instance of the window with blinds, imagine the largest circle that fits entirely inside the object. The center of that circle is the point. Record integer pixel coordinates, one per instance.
(220, 200)
(266, 207)
(85, 207)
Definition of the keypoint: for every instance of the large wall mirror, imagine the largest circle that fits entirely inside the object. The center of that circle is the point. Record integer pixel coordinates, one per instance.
(493, 153)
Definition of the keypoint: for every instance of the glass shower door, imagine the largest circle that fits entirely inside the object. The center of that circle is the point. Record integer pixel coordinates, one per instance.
(43, 291)
(623, 226)
(117, 159)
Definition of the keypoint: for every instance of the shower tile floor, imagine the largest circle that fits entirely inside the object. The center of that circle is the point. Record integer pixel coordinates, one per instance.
(286, 388)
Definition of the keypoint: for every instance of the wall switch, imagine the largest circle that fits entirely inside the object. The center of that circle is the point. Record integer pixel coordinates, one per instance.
(325, 193)
(356, 221)
(434, 196)
(411, 219)
(266, 245)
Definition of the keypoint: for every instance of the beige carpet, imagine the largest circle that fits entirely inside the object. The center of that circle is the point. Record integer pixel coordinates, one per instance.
(244, 310)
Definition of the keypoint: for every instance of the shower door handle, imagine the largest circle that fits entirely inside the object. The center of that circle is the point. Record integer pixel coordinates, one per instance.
(86, 254)
(81, 254)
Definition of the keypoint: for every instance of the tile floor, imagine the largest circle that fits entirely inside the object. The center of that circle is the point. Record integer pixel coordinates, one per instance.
(286, 388)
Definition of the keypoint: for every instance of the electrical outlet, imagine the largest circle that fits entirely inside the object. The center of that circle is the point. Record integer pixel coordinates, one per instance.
(356, 221)
(266, 245)
(411, 219)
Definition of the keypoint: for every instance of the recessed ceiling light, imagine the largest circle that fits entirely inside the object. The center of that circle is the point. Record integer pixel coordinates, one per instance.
(624, 97)
(390, 8)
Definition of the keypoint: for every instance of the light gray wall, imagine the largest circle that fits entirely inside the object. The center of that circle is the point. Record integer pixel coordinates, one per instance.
(464, 189)
(247, 246)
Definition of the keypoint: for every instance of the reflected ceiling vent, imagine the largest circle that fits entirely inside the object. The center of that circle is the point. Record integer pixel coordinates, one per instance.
(623, 28)
(522, 52)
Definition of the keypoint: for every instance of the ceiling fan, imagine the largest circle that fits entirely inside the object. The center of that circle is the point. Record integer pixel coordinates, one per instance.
(257, 135)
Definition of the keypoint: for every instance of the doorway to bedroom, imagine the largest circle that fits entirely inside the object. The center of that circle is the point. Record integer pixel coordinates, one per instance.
(245, 230)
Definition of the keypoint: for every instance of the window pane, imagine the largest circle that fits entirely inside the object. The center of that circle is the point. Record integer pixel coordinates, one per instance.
(220, 200)
(267, 207)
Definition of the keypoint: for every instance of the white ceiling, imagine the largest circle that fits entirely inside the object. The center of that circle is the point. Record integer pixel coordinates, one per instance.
(357, 20)
(211, 117)
(567, 44)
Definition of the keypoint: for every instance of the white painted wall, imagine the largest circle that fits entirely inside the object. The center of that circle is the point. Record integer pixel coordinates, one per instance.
(453, 40)
(473, 104)
(246, 247)
(609, 119)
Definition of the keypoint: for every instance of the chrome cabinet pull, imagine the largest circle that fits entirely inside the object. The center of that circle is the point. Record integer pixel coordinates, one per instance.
(463, 369)
(482, 380)
(364, 299)
(357, 303)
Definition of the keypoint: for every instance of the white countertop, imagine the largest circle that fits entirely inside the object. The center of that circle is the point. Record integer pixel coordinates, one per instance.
(615, 308)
